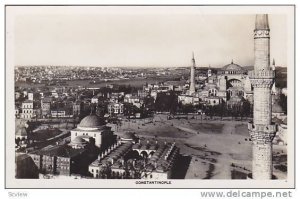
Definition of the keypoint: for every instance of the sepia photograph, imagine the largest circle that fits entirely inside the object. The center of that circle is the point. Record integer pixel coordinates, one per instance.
(149, 96)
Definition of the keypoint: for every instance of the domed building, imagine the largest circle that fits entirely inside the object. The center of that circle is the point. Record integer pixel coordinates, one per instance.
(92, 130)
(232, 69)
(78, 143)
(230, 84)
(237, 82)
(128, 137)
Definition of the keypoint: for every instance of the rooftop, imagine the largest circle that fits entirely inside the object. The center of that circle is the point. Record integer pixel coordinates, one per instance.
(91, 121)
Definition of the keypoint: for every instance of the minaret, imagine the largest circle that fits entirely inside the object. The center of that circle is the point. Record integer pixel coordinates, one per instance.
(192, 83)
(262, 131)
(209, 71)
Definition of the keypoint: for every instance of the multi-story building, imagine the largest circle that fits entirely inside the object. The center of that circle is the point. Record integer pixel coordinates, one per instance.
(115, 108)
(77, 108)
(61, 160)
(46, 106)
(27, 109)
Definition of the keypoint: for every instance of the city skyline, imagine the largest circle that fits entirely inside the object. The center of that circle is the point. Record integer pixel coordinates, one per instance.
(138, 39)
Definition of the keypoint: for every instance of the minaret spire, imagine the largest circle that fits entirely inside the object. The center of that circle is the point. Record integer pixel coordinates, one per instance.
(262, 22)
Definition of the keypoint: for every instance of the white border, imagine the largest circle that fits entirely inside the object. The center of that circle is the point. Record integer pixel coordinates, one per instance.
(12, 182)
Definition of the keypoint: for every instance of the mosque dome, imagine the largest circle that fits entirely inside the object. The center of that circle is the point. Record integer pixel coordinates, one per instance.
(91, 121)
(233, 67)
(21, 131)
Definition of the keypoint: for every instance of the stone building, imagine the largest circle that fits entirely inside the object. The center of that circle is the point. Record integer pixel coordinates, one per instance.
(25, 167)
(61, 160)
(143, 160)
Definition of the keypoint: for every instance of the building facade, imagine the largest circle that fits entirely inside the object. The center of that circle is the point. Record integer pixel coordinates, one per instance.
(27, 109)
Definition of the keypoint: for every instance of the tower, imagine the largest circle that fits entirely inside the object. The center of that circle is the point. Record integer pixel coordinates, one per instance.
(262, 131)
(192, 83)
(209, 71)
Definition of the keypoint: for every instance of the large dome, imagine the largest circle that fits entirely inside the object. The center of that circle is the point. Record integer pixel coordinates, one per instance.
(91, 121)
(233, 67)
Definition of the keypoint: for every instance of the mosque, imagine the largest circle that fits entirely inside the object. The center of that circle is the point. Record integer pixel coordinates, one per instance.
(92, 130)
(230, 84)
(125, 157)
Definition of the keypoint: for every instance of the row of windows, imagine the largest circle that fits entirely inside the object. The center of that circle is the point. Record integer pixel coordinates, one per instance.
(27, 106)
(97, 171)
(27, 111)
(85, 134)
(64, 167)
(63, 159)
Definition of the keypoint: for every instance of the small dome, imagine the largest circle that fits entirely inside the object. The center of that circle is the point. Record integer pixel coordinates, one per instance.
(128, 135)
(78, 140)
(21, 131)
(276, 108)
(91, 121)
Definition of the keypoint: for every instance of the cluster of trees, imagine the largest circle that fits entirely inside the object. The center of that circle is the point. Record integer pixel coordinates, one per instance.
(169, 102)
(241, 110)
(283, 102)
(166, 102)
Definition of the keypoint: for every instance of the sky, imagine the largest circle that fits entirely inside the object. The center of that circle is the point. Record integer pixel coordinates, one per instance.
(110, 37)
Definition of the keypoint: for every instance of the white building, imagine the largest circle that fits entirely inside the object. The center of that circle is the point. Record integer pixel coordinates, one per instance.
(27, 109)
(115, 108)
(93, 128)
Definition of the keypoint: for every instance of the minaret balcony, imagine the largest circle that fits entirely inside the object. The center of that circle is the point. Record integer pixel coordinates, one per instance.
(264, 128)
(261, 74)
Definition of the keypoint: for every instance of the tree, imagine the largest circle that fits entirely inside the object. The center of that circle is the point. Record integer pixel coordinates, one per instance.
(166, 102)
(283, 102)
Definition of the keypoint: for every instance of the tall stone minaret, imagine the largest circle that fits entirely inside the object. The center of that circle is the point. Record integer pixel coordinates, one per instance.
(262, 131)
(192, 84)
